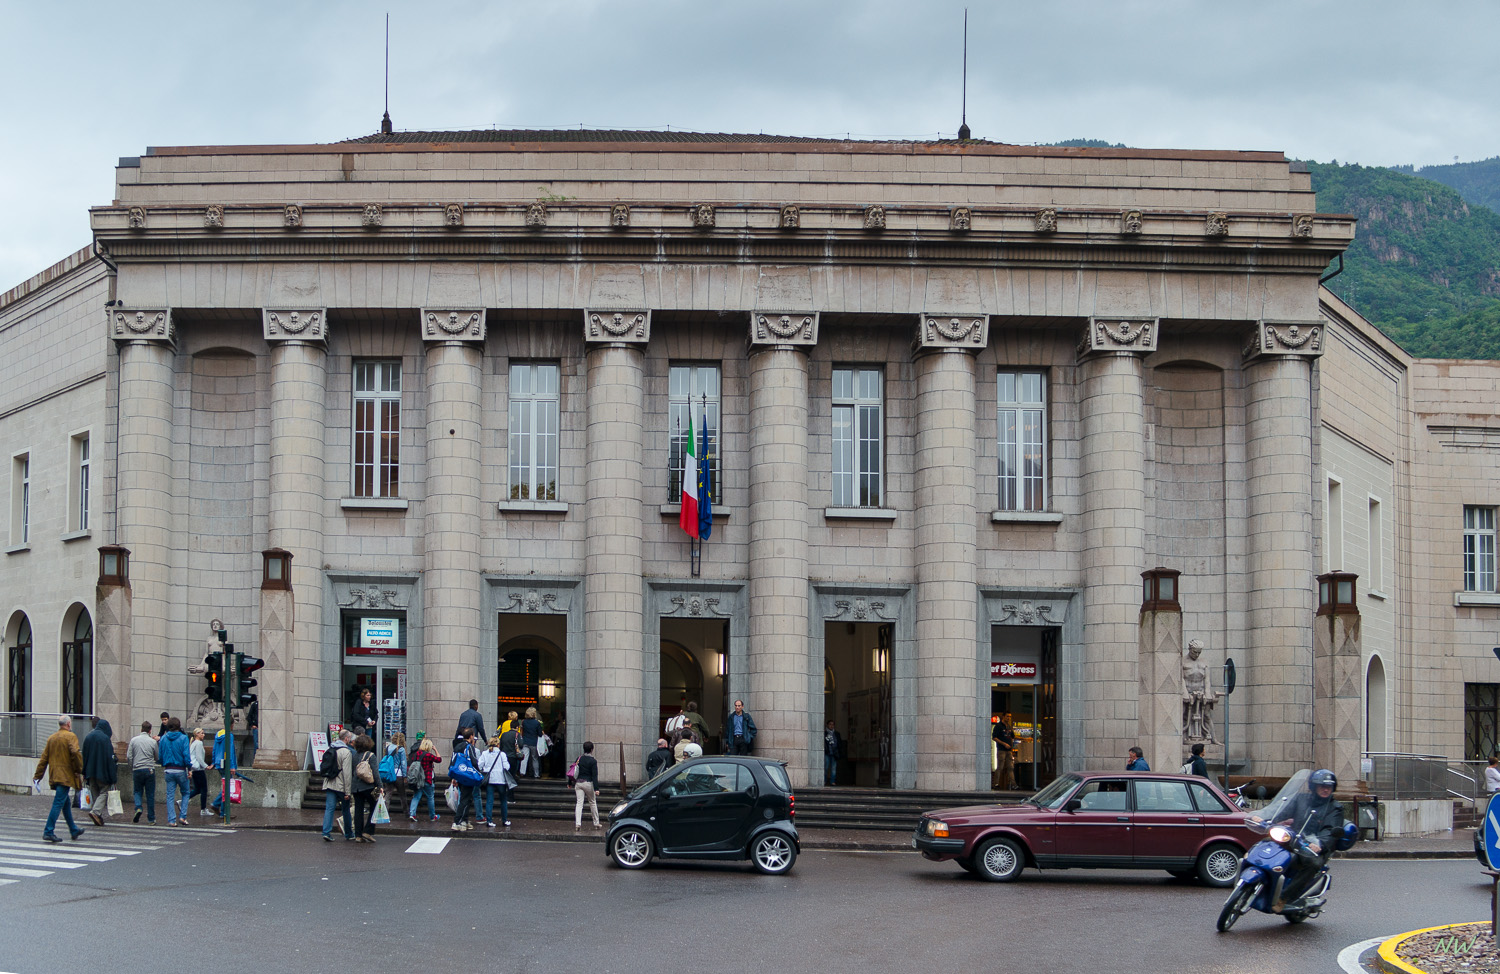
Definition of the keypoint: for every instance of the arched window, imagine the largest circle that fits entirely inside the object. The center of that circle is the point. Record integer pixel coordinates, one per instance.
(78, 666)
(18, 669)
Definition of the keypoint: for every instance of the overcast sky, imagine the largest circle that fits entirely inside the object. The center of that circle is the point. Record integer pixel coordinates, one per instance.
(1367, 81)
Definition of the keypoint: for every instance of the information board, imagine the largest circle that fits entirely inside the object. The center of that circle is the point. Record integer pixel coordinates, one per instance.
(317, 743)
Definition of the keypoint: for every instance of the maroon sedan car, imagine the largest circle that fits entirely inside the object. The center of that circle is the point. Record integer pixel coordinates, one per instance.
(1103, 820)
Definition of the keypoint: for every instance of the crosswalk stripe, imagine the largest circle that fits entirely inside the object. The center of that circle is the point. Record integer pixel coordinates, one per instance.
(24, 873)
(428, 845)
(7, 882)
(53, 863)
(85, 853)
(31, 843)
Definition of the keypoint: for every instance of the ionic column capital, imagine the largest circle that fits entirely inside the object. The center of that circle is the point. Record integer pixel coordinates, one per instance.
(448, 325)
(616, 327)
(1284, 339)
(944, 332)
(301, 325)
(783, 329)
(130, 327)
(1119, 335)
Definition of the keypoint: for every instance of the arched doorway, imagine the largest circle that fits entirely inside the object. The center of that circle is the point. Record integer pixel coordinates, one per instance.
(694, 669)
(1375, 735)
(18, 665)
(78, 662)
(533, 673)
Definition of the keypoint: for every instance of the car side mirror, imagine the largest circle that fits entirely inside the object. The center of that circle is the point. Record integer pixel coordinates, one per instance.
(1073, 805)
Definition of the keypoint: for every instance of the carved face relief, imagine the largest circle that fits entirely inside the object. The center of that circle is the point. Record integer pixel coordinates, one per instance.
(453, 215)
(703, 216)
(1046, 220)
(874, 218)
(137, 218)
(213, 217)
(372, 216)
(791, 217)
(1302, 225)
(292, 217)
(1131, 221)
(619, 215)
(1216, 225)
(536, 215)
(960, 218)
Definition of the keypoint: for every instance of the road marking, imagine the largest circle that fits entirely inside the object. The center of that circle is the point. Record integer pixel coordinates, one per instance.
(428, 845)
(48, 852)
(1349, 956)
(24, 873)
(54, 863)
(92, 846)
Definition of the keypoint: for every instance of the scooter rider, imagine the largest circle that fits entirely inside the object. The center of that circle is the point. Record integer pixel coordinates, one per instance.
(1318, 818)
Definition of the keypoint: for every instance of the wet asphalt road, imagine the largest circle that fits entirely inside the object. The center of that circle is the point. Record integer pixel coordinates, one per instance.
(280, 901)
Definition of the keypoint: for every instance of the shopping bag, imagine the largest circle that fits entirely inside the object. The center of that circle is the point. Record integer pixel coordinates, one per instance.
(451, 796)
(542, 743)
(36, 787)
(234, 790)
(85, 800)
(382, 815)
(113, 802)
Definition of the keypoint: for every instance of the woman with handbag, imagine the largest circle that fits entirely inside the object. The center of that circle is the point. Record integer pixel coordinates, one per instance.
(496, 767)
(366, 787)
(428, 757)
(585, 784)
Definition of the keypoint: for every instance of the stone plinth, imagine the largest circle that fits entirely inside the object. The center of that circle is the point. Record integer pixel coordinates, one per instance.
(1336, 689)
(1160, 695)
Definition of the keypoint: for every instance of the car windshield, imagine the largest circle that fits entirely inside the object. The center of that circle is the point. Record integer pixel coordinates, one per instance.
(1053, 795)
(645, 786)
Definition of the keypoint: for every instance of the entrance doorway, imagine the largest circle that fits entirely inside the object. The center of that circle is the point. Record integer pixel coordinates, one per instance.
(532, 670)
(857, 698)
(695, 669)
(375, 660)
(1023, 693)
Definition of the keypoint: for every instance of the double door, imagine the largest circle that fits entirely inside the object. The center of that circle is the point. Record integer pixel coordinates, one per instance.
(387, 685)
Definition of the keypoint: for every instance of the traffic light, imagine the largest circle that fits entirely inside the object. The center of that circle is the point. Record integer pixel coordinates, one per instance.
(215, 676)
(247, 665)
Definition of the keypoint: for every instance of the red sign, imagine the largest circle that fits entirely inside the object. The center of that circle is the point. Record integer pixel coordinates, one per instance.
(1023, 671)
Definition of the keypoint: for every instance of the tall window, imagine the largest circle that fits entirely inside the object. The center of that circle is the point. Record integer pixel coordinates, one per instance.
(1481, 719)
(1377, 549)
(79, 494)
(687, 387)
(1022, 415)
(20, 513)
(1479, 549)
(377, 429)
(78, 667)
(534, 407)
(1335, 535)
(858, 437)
(18, 670)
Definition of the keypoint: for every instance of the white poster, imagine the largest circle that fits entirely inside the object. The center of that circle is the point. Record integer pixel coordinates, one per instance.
(317, 743)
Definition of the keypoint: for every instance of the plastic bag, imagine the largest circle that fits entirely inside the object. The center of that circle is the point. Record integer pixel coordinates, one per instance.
(382, 815)
(451, 796)
(85, 800)
(542, 743)
(113, 802)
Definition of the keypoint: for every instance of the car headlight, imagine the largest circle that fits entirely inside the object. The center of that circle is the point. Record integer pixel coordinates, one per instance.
(619, 810)
(936, 829)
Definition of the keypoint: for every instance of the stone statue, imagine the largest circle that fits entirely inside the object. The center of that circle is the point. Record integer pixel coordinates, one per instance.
(1198, 697)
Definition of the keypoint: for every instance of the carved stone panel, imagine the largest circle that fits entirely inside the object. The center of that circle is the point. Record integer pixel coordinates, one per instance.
(1298, 338)
(783, 328)
(703, 216)
(536, 215)
(1132, 222)
(791, 217)
(294, 324)
(1216, 225)
(136, 217)
(617, 326)
(960, 219)
(619, 216)
(372, 217)
(874, 218)
(453, 325)
(453, 216)
(156, 326)
(953, 331)
(1137, 335)
(213, 217)
(291, 217)
(1046, 220)
(1031, 612)
(1302, 225)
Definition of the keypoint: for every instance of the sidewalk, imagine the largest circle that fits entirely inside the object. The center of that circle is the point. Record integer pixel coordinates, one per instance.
(1456, 845)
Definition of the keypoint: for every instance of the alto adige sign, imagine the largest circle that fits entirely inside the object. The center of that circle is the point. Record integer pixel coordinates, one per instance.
(380, 637)
(1013, 672)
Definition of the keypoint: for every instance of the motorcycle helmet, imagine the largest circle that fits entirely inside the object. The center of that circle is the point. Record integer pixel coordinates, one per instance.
(1323, 777)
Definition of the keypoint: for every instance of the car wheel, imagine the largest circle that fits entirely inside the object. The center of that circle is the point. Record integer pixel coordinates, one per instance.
(630, 848)
(773, 853)
(999, 860)
(1219, 865)
(1235, 906)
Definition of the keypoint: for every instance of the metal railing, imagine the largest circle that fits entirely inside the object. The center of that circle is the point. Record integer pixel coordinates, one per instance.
(25, 734)
(1398, 776)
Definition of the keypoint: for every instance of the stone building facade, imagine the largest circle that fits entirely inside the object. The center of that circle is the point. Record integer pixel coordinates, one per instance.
(957, 398)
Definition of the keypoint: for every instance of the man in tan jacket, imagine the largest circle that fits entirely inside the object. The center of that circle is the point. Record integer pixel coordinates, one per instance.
(62, 762)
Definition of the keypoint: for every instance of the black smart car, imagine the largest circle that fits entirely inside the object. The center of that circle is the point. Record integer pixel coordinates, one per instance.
(709, 808)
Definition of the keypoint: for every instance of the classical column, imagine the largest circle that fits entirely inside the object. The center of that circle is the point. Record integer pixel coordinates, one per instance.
(290, 704)
(947, 665)
(1279, 533)
(614, 523)
(778, 652)
(144, 506)
(451, 586)
(1114, 530)
(1337, 699)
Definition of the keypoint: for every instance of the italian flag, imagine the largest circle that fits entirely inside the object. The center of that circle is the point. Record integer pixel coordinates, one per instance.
(688, 519)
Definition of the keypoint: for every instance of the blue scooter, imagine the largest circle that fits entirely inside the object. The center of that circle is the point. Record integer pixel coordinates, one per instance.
(1280, 861)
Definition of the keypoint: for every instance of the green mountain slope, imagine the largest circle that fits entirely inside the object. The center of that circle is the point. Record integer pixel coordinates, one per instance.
(1424, 265)
(1477, 182)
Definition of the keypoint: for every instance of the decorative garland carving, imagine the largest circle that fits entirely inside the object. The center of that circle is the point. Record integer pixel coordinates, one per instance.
(534, 601)
(967, 331)
(1290, 338)
(140, 324)
(1025, 612)
(860, 609)
(293, 323)
(1046, 220)
(1117, 335)
(454, 324)
(617, 326)
(463, 324)
(772, 327)
(695, 605)
(372, 598)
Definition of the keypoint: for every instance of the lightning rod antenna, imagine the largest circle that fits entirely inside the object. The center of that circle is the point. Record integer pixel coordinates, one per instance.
(963, 125)
(385, 121)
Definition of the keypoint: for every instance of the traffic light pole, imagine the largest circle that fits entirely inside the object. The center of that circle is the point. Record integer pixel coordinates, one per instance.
(231, 679)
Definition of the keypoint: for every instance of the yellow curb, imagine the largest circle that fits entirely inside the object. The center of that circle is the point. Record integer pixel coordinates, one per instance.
(1392, 964)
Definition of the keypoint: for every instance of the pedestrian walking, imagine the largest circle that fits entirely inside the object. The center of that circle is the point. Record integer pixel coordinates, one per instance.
(426, 757)
(199, 767)
(1492, 777)
(465, 791)
(336, 790)
(366, 787)
(363, 718)
(1195, 764)
(531, 731)
(511, 720)
(395, 763)
(496, 768)
(175, 754)
(660, 759)
(100, 768)
(688, 747)
(696, 723)
(833, 744)
(1005, 754)
(586, 785)
(471, 720)
(228, 766)
(62, 763)
(1137, 761)
(140, 753)
(741, 730)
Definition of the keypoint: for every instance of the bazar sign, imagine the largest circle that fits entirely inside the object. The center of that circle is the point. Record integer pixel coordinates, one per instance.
(1022, 670)
(378, 637)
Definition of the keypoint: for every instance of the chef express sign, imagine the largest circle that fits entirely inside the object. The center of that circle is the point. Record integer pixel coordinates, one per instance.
(380, 637)
(1013, 672)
